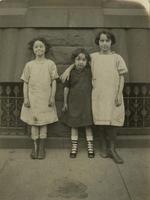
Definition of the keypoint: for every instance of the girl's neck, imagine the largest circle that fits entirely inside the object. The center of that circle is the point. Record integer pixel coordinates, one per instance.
(40, 58)
(79, 68)
(105, 52)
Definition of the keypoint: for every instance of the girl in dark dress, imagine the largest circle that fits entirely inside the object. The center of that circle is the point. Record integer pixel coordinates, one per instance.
(77, 111)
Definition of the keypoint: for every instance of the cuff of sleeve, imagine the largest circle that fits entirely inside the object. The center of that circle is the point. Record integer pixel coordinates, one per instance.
(122, 71)
(55, 77)
(23, 79)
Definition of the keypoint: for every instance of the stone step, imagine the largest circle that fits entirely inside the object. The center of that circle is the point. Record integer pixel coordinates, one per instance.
(123, 141)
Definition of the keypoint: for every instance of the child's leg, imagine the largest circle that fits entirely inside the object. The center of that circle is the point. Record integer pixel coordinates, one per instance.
(103, 142)
(74, 142)
(35, 137)
(89, 138)
(43, 136)
(112, 135)
(43, 132)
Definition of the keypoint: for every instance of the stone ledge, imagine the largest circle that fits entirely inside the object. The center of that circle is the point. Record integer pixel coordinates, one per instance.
(132, 131)
(85, 17)
(124, 141)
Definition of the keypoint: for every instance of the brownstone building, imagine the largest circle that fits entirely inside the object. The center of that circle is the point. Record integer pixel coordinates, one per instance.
(68, 24)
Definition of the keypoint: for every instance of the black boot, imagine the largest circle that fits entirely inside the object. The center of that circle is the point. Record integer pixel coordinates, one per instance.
(104, 149)
(34, 153)
(113, 154)
(90, 147)
(42, 153)
(103, 144)
(74, 148)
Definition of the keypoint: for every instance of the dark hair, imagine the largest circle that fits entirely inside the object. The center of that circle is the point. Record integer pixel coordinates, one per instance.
(109, 36)
(83, 51)
(43, 40)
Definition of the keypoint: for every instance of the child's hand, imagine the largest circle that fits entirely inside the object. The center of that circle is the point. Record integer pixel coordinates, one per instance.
(66, 74)
(118, 100)
(26, 103)
(65, 108)
(51, 102)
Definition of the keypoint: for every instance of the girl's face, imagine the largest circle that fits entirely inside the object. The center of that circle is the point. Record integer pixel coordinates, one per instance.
(80, 61)
(104, 43)
(39, 48)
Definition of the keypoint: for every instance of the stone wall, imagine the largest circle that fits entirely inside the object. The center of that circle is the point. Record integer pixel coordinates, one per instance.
(79, 13)
(132, 44)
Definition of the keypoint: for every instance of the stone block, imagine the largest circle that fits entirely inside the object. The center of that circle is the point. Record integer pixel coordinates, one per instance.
(54, 37)
(122, 4)
(69, 3)
(121, 21)
(7, 21)
(61, 54)
(80, 37)
(46, 17)
(13, 4)
(85, 17)
(138, 55)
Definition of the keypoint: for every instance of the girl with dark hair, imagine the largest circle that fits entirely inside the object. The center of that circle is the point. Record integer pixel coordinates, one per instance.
(77, 111)
(38, 110)
(108, 69)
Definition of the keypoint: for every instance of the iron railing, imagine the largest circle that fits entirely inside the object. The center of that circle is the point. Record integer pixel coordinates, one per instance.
(136, 98)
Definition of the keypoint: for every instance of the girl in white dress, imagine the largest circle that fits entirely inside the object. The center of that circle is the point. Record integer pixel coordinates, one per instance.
(39, 88)
(108, 69)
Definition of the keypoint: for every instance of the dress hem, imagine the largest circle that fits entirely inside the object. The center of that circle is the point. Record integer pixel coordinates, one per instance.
(77, 126)
(40, 124)
(109, 123)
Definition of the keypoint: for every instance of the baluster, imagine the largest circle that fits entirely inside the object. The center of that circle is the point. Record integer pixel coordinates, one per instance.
(127, 113)
(135, 117)
(1, 91)
(8, 91)
(16, 111)
(144, 112)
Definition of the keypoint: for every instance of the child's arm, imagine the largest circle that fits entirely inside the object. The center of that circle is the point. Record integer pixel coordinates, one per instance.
(52, 95)
(66, 74)
(65, 106)
(26, 95)
(118, 100)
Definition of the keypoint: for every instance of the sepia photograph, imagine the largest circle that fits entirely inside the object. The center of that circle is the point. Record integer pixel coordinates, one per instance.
(74, 99)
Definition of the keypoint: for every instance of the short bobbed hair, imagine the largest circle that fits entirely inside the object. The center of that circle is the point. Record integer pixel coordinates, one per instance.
(43, 40)
(109, 36)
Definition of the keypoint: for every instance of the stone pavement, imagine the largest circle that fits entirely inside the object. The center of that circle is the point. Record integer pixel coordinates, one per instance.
(60, 178)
